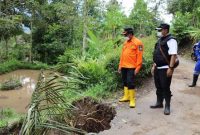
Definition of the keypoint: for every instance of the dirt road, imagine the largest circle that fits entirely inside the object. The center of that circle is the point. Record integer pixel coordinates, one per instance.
(185, 109)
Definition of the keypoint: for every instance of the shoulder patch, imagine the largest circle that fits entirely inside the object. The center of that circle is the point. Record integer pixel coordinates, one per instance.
(140, 47)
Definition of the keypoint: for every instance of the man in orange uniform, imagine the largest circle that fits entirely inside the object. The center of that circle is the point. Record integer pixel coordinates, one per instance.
(130, 64)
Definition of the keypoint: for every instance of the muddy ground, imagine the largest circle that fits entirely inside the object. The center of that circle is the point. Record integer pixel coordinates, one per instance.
(185, 109)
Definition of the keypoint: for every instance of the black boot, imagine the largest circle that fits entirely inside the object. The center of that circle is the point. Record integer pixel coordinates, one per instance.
(195, 78)
(167, 106)
(159, 103)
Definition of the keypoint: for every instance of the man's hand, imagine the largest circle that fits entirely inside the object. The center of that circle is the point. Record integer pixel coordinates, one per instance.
(170, 72)
(136, 72)
(152, 69)
(119, 70)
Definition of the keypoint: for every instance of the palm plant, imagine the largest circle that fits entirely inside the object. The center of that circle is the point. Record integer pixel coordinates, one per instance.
(47, 105)
(195, 33)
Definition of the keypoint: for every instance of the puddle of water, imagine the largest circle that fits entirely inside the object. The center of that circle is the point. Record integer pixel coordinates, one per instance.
(20, 98)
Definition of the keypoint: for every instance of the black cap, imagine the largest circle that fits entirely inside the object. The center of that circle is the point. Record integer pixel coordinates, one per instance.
(127, 31)
(163, 26)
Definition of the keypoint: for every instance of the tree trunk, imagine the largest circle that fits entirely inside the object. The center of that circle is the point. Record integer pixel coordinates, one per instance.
(84, 27)
(6, 48)
(31, 40)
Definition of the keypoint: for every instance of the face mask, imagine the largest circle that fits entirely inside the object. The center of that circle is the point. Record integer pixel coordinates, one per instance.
(159, 34)
(126, 38)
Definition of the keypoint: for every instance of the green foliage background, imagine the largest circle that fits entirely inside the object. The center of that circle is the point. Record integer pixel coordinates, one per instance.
(56, 38)
(82, 40)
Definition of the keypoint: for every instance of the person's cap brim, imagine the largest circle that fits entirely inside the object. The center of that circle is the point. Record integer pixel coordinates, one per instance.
(124, 33)
(158, 28)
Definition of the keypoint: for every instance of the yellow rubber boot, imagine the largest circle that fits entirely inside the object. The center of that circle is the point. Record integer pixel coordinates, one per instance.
(125, 98)
(132, 98)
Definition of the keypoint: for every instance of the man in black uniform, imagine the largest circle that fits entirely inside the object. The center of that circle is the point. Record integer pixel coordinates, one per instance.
(164, 57)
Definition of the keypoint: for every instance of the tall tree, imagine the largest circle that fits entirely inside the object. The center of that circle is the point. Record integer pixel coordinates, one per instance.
(10, 21)
(187, 18)
(114, 19)
(141, 19)
(184, 7)
(55, 26)
(85, 14)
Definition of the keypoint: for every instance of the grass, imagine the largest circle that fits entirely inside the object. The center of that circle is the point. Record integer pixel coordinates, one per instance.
(8, 116)
(10, 84)
(13, 64)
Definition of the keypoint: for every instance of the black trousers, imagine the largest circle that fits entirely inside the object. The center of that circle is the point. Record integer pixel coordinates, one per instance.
(128, 77)
(162, 83)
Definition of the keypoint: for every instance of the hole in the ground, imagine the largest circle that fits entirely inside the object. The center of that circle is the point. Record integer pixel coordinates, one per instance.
(91, 116)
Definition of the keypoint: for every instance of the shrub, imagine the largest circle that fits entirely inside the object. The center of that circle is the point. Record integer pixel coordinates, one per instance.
(35, 65)
(10, 84)
(13, 64)
(9, 66)
(66, 60)
(97, 91)
(98, 75)
(149, 43)
(8, 116)
(181, 25)
(92, 71)
(111, 63)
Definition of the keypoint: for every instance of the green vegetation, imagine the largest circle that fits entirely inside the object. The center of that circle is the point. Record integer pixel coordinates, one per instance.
(97, 73)
(82, 39)
(49, 109)
(95, 76)
(148, 55)
(10, 84)
(13, 64)
(58, 26)
(186, 24)
(7, 116)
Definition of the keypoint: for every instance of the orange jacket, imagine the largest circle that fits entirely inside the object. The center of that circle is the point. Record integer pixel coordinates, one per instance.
(131, 56)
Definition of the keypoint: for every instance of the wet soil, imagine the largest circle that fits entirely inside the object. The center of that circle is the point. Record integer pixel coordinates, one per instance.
(92, 116)
(20, 98)
(185, 109)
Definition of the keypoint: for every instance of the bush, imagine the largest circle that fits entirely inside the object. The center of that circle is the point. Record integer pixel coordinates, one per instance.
(49, 52)
(92, 71)
(66, 60)
(181, 25)
(7, 116)
(36, 65)
(149, 43)
(9, 66)
(111, 64)
(97, 91)
(10, 84)
(13, 64)
(99, 75)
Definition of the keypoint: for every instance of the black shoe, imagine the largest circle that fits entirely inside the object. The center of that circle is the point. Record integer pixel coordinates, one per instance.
(159, 103)
(156, 106)
(167, 110)
(192, 85)
(195, 78)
